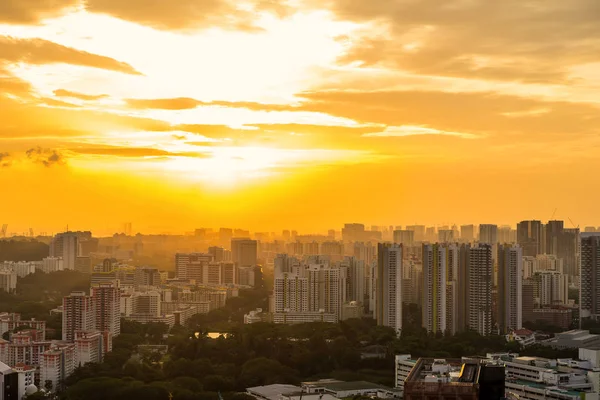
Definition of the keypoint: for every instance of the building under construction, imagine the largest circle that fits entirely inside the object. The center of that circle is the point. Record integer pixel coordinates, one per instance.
(454, 379)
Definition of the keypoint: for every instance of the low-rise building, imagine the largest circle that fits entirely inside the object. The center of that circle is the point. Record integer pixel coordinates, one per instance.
(574, 339)
(524, 337)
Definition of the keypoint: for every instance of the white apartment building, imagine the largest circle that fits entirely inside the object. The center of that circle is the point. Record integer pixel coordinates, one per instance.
(90, 347)
(21, 268)
(8, 280)
(107, 299)
(52, 264)
(57, 363)
(78, 315)
(553, 288)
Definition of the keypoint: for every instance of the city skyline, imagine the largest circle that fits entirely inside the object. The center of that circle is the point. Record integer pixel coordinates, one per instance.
(251, 113)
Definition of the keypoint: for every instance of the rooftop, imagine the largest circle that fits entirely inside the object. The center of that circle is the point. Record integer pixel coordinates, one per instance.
(273, 392)
(340, 386)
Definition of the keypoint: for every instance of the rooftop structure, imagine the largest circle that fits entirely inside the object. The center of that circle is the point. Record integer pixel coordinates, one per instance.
(453, 379)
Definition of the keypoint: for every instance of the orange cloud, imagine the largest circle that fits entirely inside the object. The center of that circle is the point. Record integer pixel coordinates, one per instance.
(40, 51)
(32, 11)
(80, 96)
(190, 14)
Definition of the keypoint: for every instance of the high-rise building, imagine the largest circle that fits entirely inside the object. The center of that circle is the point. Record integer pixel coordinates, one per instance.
(353, 233)
(244, 252)
(324, 286)
(8, 280)
(187, 264)
(452, 276)
(107, 298)
(57, 363)
(445, 235)
(366, 252)
(78, 315)
(146, 276)
(419, 231)
(589, 286)
(290, 293)
(553, 288)
(479, 271)
(219, 253)
(488, 234)
(563, 243)
(406, 237)
(388, 301)
(65, 245)
(434, 288)
(355, 279)
(510, 291)
(529, 237)
(506, 235)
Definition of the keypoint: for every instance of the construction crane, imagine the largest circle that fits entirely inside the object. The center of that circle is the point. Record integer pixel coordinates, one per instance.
(573, 223)
(553, 214)
(4, 228)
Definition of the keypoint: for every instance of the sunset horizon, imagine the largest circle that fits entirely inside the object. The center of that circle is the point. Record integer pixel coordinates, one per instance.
(299, 114)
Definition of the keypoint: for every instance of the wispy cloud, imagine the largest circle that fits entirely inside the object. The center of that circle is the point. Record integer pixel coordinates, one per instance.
(412, 130)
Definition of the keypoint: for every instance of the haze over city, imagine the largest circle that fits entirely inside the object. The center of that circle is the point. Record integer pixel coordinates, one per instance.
(299, 199)
(302, 113)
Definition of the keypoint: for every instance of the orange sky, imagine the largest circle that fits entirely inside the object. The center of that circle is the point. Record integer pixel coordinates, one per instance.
(302, 114)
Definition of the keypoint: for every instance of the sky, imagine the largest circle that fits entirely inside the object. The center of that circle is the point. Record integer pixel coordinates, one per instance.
(297, 114)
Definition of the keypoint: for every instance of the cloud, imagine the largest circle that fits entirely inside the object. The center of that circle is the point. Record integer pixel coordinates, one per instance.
(46, 157)
(181, 103)
(409, 130)
(123, 151)
(32, 11)
(482, 114)
(187, 103)
(4, 162)
(58, 103)
(515, 40)
(80, 96)
(40, 51)
(190, 14)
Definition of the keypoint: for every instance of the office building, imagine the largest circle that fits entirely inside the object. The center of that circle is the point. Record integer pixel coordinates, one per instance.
(244, 252)
(434, 288)
(107, 298)
(78, 315)
(589, 285)
(510, 292)
(530, 237)
(388, 300)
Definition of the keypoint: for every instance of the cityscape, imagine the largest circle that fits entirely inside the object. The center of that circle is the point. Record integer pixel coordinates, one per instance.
(518, 306)
(299, 200)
